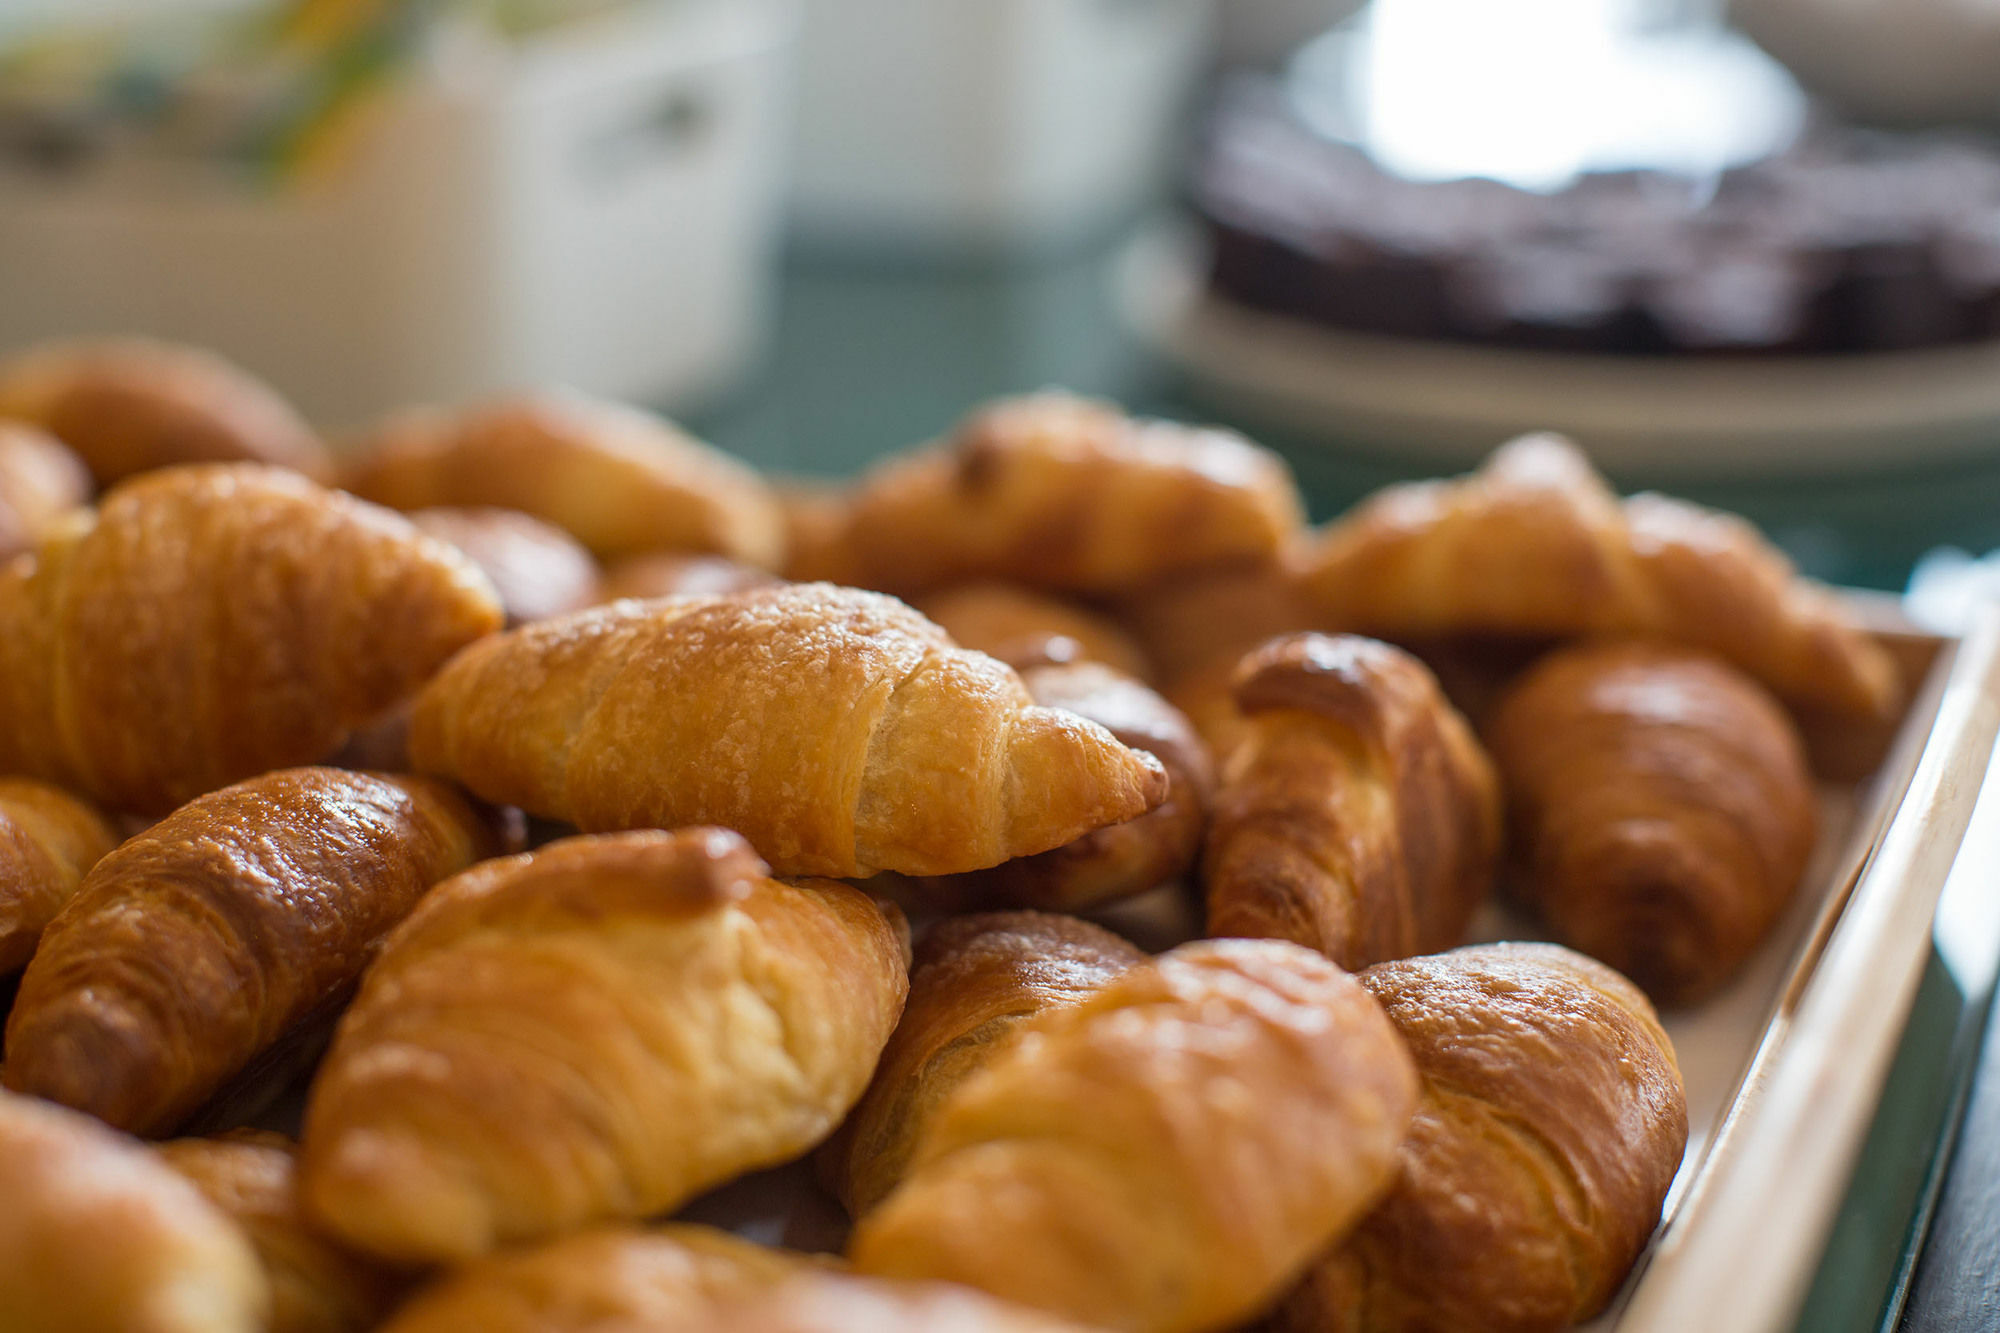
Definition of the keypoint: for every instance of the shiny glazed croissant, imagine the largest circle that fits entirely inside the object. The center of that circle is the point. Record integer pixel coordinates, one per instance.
(596, 1030)
(1552, 1122)
(40, 482)
(839, 731)
(215, 622)
(316, 1287)
(1536, 544)
(1661, 807)
(618, 479)
(1357, 815)
(97, 1235)
(974, 982)
(538, 569)
(200, 942)
(48, 841)
(840, 1303)
(1168, 1154)
(1024, 628)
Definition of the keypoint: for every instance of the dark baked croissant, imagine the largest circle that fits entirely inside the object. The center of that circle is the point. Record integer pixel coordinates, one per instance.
(215, 622)
(597, 1030)
(538, 569)
(48, 841)
(201, 941)
(1024, 628)
(1661, 807)
(40, 482)
(672, 574)
(974, 982)
(129, 405)
(97, 1235)
(1167, 1154)
(316, 1287)
(1551, 1124)
(839, 731)
(1357, 815)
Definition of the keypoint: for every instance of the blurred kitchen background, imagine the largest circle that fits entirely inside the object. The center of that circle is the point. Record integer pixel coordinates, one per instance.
(1747, 251)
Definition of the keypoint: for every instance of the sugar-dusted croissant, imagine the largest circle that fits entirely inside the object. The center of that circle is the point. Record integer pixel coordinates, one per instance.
(1552, 1122)
(672, 574)
(48, 841)
(1025, 628)
(596, 1030)
(215, 622)
(1064, 493)
(829, 1302)
(1169, 1153)
(1536, 544)
(538, 569)
(1357, 815)
(129, 405)
(97, 1235)
(839, 731)
(974, 982)
(617, 479)
(40, 482)
(200, 942)
(316, 1286)
(621, 1276)
(1661, 807)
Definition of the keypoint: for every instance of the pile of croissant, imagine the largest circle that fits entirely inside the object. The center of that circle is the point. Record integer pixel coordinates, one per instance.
(548, 797)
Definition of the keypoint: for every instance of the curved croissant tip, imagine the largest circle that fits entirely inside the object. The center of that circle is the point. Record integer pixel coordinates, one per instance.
(699, 868)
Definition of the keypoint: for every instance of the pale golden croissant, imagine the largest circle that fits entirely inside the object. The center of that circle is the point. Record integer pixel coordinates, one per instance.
(839, 731)
(841, 1303)
(48, 841)
(200, 942)
(1661, 807)
(1552, 1122)
(1536, 544)
(606, 1275)
(538, 569)
(97, 1235)
(129, 405)
(1169, 1153)
(618, 479)
(597, 1030)
(1025, 628)
(672, 574)
(219, 621)
(316, 1286)
(1065, 493)
(40, 481)
(974, 982)
(1357, 815)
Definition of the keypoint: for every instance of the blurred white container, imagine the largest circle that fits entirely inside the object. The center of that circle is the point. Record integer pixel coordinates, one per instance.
(597, 206)
(967, 125)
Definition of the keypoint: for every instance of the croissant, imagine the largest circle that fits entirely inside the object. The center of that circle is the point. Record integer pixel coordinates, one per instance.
(818, 544)
(840, 1303)
(1189, 625)
(1168, 1154)
(316, 1287)
(974, 982)
(597, 1030)
(538, 569)
(215, 622)
(48, 840)
(1536, 544)
(1024, 628)
(1661, 806)
(98, 1235)
(1064, 493)
(619, 480)
(40, 482)
(1551, 1123)
(200, 942)
(839, 731)
(671, 574)
(128, 405)
(1357, 815)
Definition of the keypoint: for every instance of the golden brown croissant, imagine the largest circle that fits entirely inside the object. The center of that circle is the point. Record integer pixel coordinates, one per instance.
(129, 405)
(596, 1030)
(818, 548)
(1169, 1153)
(1536, 544)
(842, 1303)
(48, 841)
(203, 940)
(538, 569)
(617, 479)
(1358, 815)
(316, 1287)
(1024, 628)
(974, 982)
(671, 574)
(1188, 625)
(1661, 808)
(40, 482)
(215, 622)
(1064, 493)
(97, 1235)
(839, 731)
(1551, 1124)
